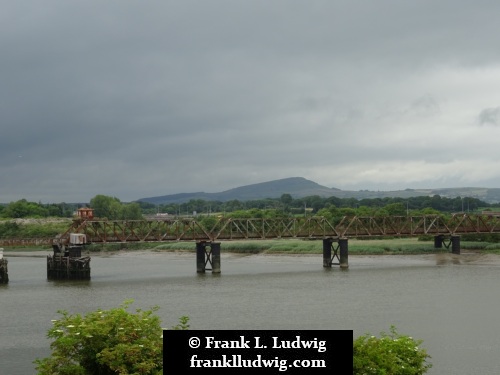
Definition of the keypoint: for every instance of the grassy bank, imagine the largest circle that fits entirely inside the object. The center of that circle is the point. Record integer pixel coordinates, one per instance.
(293, 246)
(296, 246)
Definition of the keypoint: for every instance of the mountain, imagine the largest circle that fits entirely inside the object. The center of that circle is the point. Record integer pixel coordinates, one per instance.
(299, 187)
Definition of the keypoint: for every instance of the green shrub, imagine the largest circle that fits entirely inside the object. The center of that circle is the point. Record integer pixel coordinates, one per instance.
(106, 342)
(391, 354)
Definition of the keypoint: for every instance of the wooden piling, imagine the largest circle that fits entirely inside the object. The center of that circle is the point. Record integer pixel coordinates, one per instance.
(68, 264)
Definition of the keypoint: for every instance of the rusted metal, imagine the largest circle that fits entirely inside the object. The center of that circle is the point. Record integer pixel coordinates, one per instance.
(188, 229)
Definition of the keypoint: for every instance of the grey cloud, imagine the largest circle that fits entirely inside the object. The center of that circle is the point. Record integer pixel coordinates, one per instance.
(425, 106)
(489, 116)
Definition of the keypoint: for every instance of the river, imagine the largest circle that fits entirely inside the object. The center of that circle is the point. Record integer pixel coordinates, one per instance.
(451, 302)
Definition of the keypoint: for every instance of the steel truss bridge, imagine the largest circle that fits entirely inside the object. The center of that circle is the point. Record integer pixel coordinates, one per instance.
(224, 229)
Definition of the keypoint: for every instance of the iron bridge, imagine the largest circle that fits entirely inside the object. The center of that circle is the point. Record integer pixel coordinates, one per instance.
(190, 229)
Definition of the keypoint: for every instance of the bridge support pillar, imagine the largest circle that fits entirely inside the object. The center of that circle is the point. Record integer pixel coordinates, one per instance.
(438, 241)
(338, 252)
(455, 244)
(344, 253)
(200, 257)
(208, 254)
(327, 252)
(216, 257)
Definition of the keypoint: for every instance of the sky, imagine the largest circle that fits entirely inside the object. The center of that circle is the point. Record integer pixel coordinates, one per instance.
(136, 99)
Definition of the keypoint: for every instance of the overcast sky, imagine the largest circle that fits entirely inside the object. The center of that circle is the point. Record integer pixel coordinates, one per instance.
(136, 99)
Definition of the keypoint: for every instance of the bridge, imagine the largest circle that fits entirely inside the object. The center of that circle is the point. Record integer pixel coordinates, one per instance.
(190, 229)
(335, 234)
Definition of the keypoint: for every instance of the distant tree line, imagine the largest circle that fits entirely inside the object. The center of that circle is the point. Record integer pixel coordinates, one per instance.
(22, 209)
(107, 207)
(316, 205)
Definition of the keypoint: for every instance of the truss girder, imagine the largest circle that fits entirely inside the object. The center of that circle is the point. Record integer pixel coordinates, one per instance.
(189, 229)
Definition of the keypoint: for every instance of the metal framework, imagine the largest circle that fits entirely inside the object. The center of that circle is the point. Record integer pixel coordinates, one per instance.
(189, 229)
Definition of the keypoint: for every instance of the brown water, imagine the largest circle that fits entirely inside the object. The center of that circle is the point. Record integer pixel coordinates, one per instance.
(450, 302)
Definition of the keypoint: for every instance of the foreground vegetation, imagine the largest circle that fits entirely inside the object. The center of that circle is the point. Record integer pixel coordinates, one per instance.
(104, 342)
(116, 341)
(391, 353)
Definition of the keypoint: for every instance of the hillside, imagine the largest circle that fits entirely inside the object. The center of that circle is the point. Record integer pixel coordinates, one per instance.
(299, 187)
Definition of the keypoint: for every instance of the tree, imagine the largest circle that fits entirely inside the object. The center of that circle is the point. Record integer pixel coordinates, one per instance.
(365, 211)
(395, 209)
(106, 207)
(286, 199)
(131, 211)
(234, 205)
(23, 208)
(111, 208)
(104, 342)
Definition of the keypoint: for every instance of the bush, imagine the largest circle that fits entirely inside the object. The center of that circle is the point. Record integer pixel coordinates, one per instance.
(106, 342)
(391, 354)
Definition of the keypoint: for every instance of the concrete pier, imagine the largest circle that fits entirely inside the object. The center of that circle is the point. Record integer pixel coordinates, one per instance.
(340, 252)
(455, 244)
(344, 253)
(438, 241)
(327, 252)
(208, 254)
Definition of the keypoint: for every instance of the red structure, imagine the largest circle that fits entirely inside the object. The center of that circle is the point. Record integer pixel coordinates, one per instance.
(85, 213)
